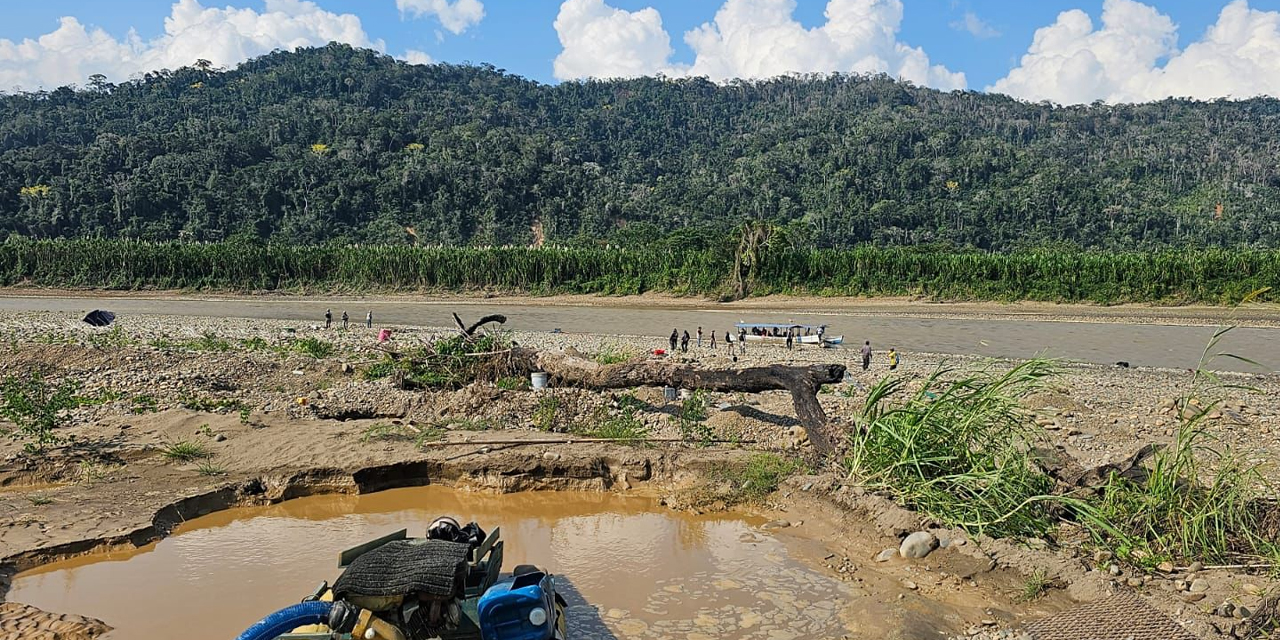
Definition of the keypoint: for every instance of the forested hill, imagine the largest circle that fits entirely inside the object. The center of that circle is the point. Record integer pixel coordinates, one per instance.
(338, 144)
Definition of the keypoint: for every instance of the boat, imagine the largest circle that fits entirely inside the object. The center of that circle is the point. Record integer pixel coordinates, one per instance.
(447, 585)
(776, 333)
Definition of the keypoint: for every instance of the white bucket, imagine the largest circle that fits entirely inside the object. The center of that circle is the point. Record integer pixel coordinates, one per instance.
(538, 380)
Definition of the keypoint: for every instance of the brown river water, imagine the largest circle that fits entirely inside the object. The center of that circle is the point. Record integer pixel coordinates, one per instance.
(1141, 345)
(632, 568)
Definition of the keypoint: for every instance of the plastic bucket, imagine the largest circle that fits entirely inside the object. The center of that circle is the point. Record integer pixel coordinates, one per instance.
(538, 380)
(669, 393)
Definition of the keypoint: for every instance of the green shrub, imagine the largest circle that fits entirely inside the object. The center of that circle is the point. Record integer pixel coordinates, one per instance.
(37, 407)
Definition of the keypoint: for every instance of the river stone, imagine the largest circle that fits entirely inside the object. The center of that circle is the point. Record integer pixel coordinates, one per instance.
(1192, 597)
(1251, 589)
(886, 555)
(1199, 585)
(633, 627)
(918, 545)
(1165, 567)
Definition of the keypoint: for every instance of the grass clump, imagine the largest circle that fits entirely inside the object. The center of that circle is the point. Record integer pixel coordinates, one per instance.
(115, 338)
(209, 405)
(314, 347)
(185, 451)
(544, 416)
(144, 404)
(106, 396)
(1036, 585)
(210, 469)
(614, 354)
(256, 343)
(39, 500)
(756, 479)
(511, 383)
(1177, 513)
(624, 427)
(208, 341)
(390, 432)
(384, 431)
(468, 424)
(958, 448)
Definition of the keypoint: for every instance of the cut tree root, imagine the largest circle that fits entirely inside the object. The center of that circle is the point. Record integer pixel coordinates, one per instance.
(802, 381)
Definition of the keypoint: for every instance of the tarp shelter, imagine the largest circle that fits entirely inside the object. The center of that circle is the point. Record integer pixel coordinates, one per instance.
(100, 318)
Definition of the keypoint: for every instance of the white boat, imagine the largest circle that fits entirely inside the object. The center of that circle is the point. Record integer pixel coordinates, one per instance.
(774, 333)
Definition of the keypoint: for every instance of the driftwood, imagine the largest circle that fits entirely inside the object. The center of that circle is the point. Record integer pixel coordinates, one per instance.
(1062, 467)
(471, 330)
(802, 382)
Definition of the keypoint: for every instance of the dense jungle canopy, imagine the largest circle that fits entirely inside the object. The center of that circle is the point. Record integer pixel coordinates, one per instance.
(336, 144)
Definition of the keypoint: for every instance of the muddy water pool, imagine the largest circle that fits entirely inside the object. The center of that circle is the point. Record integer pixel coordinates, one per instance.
(633, 568)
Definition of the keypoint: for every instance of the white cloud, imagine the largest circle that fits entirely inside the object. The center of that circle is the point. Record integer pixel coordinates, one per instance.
(413, 56)
(72, 52)
(600, 41)
(1134, 57)
(975, 26)
(456, 16)
(746, 39)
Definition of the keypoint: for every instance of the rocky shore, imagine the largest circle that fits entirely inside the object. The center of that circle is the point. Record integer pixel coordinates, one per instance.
(245, 388)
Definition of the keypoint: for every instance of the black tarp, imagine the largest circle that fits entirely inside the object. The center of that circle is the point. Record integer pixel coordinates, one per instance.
(100, 318)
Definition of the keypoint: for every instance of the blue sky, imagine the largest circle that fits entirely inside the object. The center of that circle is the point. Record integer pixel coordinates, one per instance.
(520, 36)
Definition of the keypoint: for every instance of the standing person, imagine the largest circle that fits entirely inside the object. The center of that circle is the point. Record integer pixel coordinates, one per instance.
(790, 340)
(684, 341)
(742, 341)
(713, 341)
(675, 337)
(728, 341)
(893, 359)
(368, 319)
(699, 337)
(328, 318)
(345, 318)
(866, 356)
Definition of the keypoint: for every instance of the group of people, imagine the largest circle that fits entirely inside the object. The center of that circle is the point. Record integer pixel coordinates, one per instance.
(346, 319)
(681, 341)
(892, 355)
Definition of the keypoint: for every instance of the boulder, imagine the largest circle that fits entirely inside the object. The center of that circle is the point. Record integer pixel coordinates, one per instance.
(918, 545)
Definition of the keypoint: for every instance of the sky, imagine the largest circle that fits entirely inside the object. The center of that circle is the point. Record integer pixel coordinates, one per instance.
(1065, 51)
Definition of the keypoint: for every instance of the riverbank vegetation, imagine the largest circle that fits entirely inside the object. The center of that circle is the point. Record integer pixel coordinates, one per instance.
(724, 270)
(960, 447)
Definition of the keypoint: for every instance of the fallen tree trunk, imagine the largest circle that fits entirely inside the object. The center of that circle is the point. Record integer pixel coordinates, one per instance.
(802, 381)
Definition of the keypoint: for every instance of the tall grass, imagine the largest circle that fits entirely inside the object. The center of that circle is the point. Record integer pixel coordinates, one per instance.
(957, 448)
(1176, 275)
(960, 448)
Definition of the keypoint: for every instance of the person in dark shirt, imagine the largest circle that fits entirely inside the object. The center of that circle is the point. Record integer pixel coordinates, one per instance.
(675, 337)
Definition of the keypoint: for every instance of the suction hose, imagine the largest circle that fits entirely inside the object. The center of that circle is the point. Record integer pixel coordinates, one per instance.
(288, 619)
